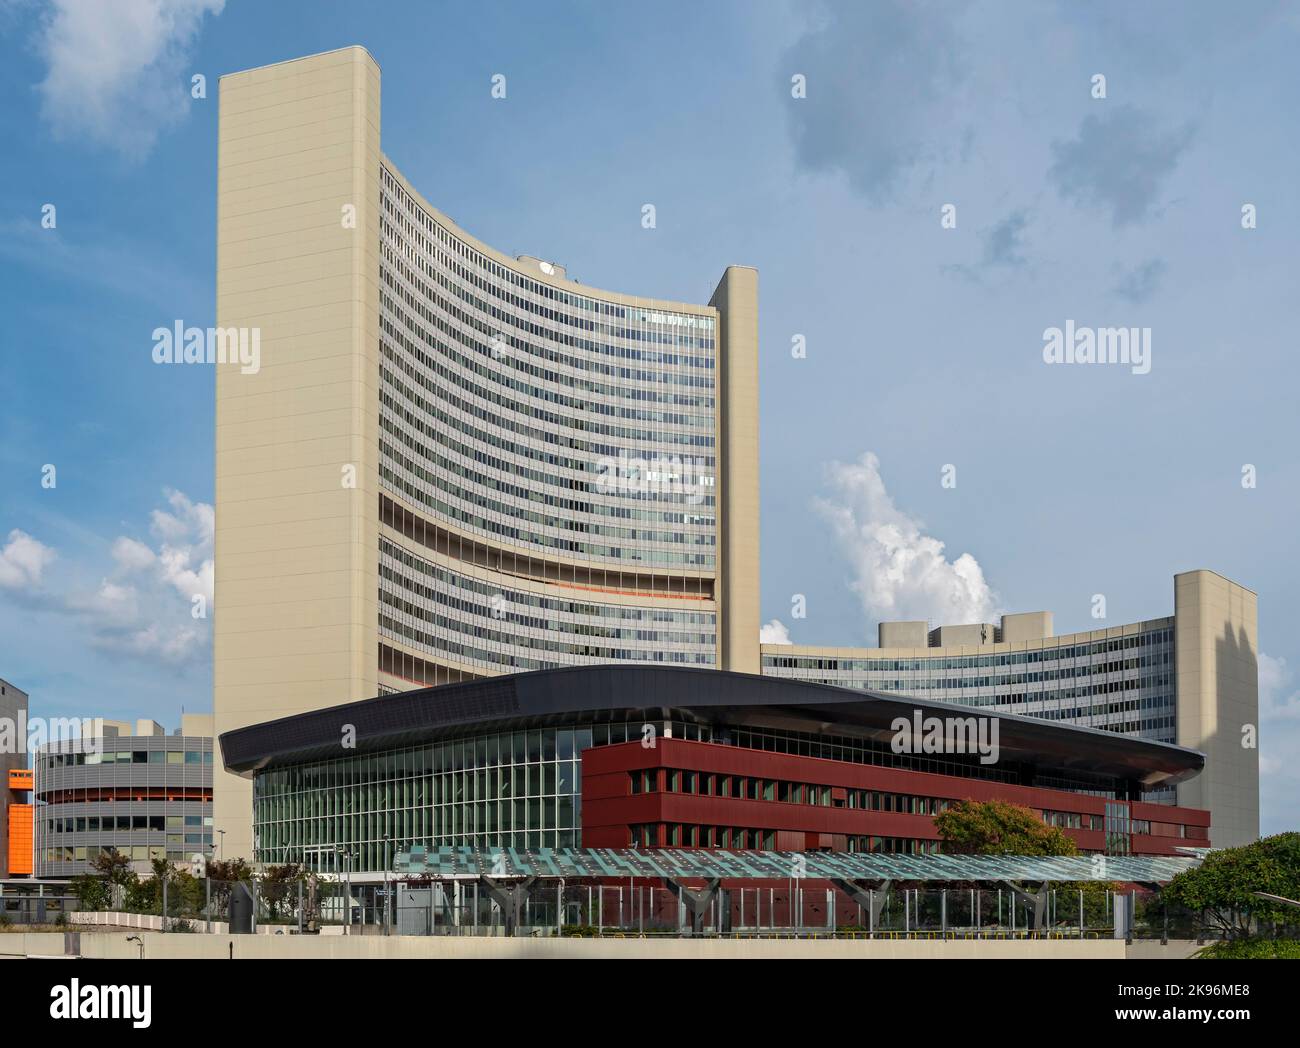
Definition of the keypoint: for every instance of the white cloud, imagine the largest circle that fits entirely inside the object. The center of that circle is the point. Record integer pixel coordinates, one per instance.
(897, 571)
(132, 555)
(1279, 743)
(142, 606)
(190, 521)
(1279, 697)
(118, 72)
(22, 561)
(773, 632)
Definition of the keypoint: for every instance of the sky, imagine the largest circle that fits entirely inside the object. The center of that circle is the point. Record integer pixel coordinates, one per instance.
(925, 189)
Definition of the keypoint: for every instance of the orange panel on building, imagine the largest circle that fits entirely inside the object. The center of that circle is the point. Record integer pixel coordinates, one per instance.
(20, 779)
(20, 838)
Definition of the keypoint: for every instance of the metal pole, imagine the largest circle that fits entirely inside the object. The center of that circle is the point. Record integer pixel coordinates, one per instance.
(1080, 913)
(871, 913)
(207, 882)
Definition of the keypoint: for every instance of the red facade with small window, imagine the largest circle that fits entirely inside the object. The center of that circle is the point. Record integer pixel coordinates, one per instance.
(699, 794)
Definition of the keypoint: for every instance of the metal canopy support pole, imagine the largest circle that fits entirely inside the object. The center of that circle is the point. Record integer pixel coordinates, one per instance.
(509, 897)
(1039, 900)
(697, 901)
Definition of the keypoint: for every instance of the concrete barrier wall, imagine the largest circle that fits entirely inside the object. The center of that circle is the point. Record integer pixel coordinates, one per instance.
(152, 922)
(271, 946)
(34, 944)
(295, 947)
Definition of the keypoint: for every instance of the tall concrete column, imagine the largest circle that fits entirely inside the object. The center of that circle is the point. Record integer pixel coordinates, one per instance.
(296, 442)
(736, 299)
(1216, 655)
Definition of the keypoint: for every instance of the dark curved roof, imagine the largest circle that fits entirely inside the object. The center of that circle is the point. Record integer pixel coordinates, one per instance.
(718, 697)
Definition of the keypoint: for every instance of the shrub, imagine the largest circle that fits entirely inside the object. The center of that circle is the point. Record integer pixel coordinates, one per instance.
(1252, 949)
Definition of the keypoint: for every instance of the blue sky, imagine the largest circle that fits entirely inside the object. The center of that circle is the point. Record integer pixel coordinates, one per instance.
(924, 343)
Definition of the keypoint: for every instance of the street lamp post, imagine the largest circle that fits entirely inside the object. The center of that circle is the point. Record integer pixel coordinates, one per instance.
(387, 863)
(221, 844)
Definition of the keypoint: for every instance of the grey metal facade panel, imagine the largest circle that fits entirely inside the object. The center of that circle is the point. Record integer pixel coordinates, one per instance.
(52, 779)
(722, 697)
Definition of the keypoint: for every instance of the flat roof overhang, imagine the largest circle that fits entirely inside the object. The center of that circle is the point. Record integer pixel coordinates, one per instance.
(718, 697)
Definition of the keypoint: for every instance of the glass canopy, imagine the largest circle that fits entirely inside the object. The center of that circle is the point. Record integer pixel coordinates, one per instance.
(768, 865)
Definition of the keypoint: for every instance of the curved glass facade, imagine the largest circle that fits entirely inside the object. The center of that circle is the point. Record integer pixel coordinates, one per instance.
(567, 431)
(511, 789)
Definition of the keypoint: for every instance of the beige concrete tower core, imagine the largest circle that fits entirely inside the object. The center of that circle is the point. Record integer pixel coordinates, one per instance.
(736, 300)
(1216, 652)
(297, 441)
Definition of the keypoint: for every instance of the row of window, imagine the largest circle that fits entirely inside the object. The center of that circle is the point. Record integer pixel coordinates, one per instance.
(687, 835)
(518, 352)
(436, 643)
(394, 476)
(134, 852)
(405, 423)
(1151, 638)
(59, 760)
(420, 225)
(712, 784)
(412, 334)
(400, 354)
(98, 823)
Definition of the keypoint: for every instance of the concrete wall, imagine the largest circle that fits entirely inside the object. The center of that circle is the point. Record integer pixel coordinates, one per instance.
(903, 634)
(309, 947)
(1026, 625)
(1216, 654)
(736, 299)
(297, 571)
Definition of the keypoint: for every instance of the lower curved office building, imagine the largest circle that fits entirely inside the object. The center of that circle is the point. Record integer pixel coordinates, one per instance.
(142, 794)
(450, 463)
(629, 756)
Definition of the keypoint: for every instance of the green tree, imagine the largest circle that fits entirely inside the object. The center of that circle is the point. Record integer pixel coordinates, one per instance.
(280, 887)
(92, 892)
(998, 828)
(113, 866)
(1219, 892)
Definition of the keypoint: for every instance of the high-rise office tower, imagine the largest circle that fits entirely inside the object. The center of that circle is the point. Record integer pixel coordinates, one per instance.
(443, 462)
